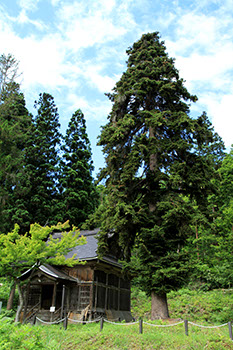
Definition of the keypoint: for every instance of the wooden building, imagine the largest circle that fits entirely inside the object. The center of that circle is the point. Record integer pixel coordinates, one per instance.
(84, 291)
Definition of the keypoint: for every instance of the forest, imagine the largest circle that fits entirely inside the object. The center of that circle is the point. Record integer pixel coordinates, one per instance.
(166, 188)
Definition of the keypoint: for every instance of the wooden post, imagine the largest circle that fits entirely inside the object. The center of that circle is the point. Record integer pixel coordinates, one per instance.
(65, 320)
(140, 326)
(91, 298)
(106, 293)
(62, 300)
(186, 327)
(0, 306)
(101, 323)
(68, 298)
(96, 291)
(79, 296)
(230, 330)
(26, 302)
(34, 320)
(119, 294)
(54, 294)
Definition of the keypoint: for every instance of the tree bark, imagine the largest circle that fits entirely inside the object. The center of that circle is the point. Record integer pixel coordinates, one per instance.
(11, 298)
(20, 307)
(159, 307)
(153, 163)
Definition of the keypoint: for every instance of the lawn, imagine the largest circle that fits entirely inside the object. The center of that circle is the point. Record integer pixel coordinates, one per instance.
(123, 337)
(203, 308)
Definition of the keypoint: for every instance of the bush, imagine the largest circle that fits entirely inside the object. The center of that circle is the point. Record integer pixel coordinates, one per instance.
(15, 336)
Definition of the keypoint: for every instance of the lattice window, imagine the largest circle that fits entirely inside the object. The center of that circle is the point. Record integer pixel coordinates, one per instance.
(113, 280)
(100, 276)
(112, 299)
(125, 284)
(34, 296)
(125, 300)
(101, 297)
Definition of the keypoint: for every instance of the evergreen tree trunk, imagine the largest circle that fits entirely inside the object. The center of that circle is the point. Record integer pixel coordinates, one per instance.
(11, 298)
(159, 307)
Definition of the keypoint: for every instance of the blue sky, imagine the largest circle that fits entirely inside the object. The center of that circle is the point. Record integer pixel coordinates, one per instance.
(75, 50)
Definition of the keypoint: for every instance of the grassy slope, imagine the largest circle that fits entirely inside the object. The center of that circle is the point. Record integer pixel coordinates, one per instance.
(214, 307)
(89, 337)
(210, 307)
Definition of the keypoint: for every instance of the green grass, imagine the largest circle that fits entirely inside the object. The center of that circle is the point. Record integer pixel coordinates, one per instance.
(206, 308)
(89, 337)
(213, 307)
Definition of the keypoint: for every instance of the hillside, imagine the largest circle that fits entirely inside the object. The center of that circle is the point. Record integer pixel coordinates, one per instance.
(213, 307)
(206, 308)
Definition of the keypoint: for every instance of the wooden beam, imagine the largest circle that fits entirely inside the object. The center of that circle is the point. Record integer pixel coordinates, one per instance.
(96, 291)
(26, 302)
(54, 294)
(63, 300)
(106, 293)
(119, 294)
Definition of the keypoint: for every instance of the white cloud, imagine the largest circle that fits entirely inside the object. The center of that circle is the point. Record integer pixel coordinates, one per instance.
(97, 110)
(44, 60)
(88, 23)
(210, 69)
(56, 59)
(55, 2)
(29, 5)
(50, 61)
(24, 19)
(219, 108)
(95, 76)
(203, 49)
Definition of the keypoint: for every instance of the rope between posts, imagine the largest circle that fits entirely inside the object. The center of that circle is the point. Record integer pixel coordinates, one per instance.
(54, 322)
(198, 325)
(79, 321)
(120, 324)
(163, 325)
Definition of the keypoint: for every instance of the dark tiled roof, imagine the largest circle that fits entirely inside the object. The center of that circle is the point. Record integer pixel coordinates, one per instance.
(88, 251)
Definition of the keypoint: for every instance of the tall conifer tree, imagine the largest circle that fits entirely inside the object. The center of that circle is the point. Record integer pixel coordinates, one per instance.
(156, 157)
(79, 196)
(42, 161)
(15, 123)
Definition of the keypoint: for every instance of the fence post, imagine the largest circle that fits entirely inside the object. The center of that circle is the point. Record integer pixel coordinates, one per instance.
(101, 323)
(63, 300)
(0, 306)
(186, 327)
(230, 330)
(140, 326)
(65, 320)
(34, 320)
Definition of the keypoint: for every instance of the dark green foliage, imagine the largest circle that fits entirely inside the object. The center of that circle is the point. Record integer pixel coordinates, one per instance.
(95, 219)
(78, 193)
(42, 160)
(214, 244)
(158, 161)
(16, 336)
(15, 126)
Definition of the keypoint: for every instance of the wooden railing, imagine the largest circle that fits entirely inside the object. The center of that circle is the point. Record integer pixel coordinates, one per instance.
(31, 312)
